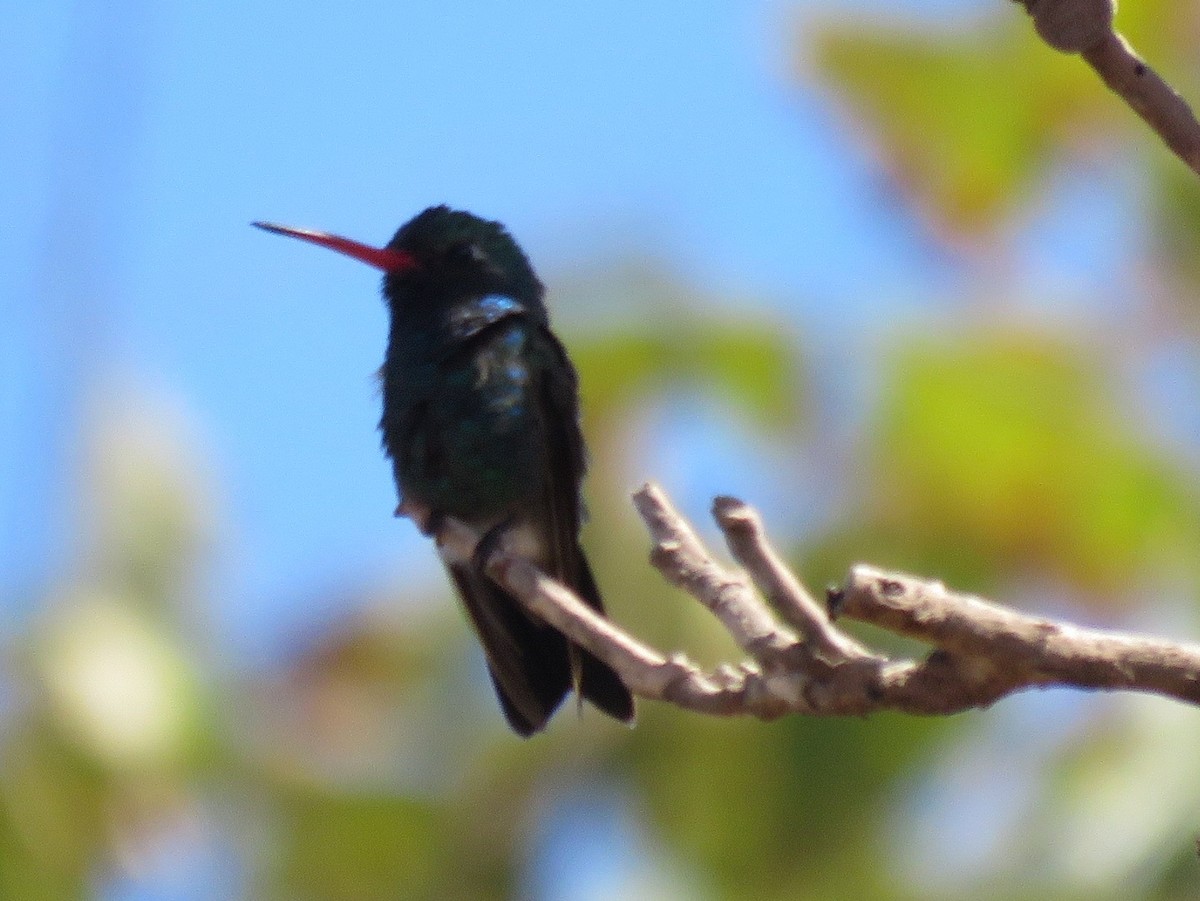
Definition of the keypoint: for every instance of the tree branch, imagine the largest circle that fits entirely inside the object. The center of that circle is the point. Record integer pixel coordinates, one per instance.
(1086, 27)
(980, 653)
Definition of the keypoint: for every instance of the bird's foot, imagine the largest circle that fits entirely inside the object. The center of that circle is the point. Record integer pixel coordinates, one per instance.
(492, 541)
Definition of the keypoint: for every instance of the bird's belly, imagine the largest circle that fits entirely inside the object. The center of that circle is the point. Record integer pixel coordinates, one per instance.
(476, 473)
(475, 449)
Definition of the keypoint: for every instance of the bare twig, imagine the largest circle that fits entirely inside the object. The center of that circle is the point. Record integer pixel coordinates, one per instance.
(1149, 96)
(1039, 651)
(680, 556)
(981, 652)
(1086, 27)
(744, 533)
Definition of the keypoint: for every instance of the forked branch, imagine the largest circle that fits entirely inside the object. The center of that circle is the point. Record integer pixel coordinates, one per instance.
(798, 660)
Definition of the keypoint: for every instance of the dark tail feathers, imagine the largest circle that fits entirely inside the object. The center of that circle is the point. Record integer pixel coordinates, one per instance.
(530, 662)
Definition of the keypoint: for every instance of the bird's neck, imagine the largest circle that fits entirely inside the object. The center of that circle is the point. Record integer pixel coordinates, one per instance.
(427, 328)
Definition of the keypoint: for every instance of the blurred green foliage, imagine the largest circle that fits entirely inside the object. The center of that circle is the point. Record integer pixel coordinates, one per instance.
(1009, 448)
(748, 365)
(997, 454)
(967, 124)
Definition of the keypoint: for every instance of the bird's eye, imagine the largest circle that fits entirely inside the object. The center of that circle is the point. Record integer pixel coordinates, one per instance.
(465, 252)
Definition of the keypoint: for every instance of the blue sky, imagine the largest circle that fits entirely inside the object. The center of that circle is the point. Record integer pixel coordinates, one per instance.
(140, 141)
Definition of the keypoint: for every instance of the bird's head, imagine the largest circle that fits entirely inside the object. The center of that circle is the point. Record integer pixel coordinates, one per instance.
(440, 254)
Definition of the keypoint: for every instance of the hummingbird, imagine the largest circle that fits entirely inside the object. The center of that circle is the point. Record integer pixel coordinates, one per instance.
(481, 423)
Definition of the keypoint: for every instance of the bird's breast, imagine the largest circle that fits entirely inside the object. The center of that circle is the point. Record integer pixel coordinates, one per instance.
(467, 438)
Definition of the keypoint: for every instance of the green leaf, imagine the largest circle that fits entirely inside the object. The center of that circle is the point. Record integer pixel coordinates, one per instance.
(765, 809)
(751, 365)
(359, 847)
(966, 123)
(1010, 447)
(1176, 226)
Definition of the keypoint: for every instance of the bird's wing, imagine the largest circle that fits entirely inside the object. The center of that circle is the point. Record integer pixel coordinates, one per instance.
(557, 400)
(562, 508)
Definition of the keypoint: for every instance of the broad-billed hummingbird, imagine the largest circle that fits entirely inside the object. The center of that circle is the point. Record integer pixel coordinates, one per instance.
(481, 422)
